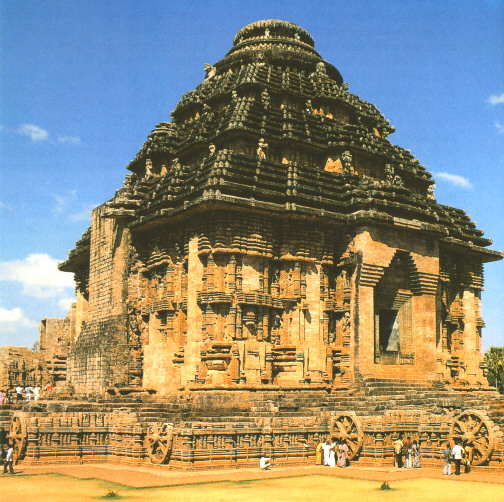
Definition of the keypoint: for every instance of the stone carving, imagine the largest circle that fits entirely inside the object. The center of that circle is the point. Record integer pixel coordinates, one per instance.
(472, 428)
(210, 71)
(430, 191)
(346, 427)
(261, 149)
(265, 99)
(346, 158)
(159, 442)
(18, 435)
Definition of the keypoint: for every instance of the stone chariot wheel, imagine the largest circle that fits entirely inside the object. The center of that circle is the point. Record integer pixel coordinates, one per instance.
(475, 429)
(18, 435)
(158, 442)
(346, 426)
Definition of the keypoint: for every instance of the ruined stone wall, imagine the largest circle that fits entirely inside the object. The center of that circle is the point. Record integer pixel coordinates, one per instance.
(21, 366)
(99, 356)
(55, 338)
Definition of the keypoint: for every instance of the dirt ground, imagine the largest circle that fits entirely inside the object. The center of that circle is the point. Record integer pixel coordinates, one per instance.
(76, 483)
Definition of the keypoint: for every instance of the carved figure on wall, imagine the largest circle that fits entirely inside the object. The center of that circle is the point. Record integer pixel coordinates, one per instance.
(430, 191)
(261, 149)
(175, 164)
(389, 173)
(211, 149)
(265, 99)
(345, 278)
(148, 169)
(320, 69)
(398, 180)
(346, 323)
(210, 71)
(346, 158)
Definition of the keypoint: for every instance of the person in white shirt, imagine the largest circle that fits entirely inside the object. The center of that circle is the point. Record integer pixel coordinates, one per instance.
(457, 452)
(264, 463)
(326, 447)
(9, 461)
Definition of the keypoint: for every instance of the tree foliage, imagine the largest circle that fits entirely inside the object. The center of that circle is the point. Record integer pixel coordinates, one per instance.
(494, 359)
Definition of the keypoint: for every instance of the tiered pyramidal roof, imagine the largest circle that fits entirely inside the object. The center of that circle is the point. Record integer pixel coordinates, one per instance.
(273, 127)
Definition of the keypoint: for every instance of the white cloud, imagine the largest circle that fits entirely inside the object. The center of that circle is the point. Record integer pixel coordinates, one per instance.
(13, 319)
(38, 274)
(68, 205)
(62, 202)
(496, 100)
(84, 214)
(3, 205)
(500, 127)
(65, 304)
(69, 139)
(34, 132)
(454, 179)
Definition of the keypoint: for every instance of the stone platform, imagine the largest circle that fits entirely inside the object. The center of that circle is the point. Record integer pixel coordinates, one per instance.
(223, 429)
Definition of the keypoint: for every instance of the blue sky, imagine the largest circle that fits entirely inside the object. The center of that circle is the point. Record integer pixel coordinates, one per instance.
(84, 82)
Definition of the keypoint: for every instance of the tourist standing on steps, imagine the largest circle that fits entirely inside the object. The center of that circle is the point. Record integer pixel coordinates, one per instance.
(407, 445)
(9, 460)
(415, 452)
(398, 446)
(457, 453)
(19, 393)
(36, 393)
(28, 392)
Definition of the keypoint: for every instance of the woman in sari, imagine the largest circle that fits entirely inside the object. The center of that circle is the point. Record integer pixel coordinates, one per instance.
(343, 453)
(319, 454)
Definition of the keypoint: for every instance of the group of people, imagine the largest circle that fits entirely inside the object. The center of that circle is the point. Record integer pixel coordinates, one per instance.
(406, 453)
(28, 393)
(332, 453)
(460, 454)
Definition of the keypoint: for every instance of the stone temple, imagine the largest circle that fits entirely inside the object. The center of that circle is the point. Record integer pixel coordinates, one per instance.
(273, 271)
